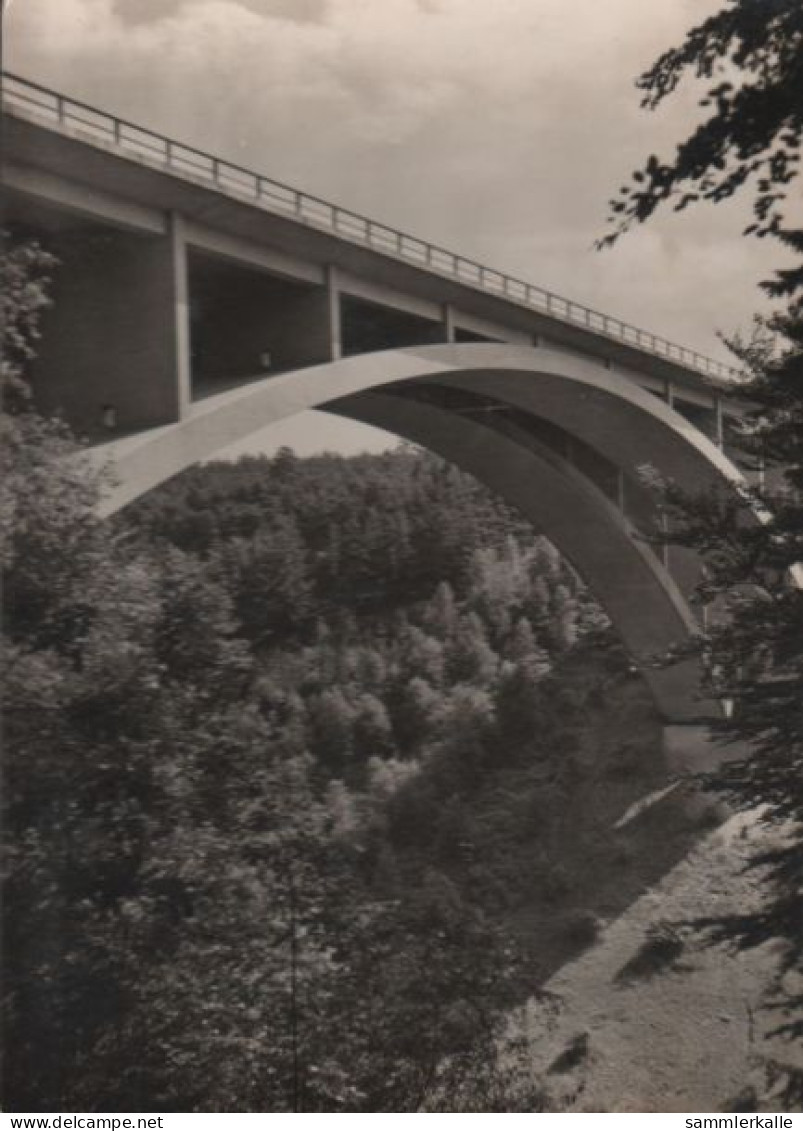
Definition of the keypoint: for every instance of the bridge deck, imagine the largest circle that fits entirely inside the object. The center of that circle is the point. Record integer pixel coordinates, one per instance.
(30, 101)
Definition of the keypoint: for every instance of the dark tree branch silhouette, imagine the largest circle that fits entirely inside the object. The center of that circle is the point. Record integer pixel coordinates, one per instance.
(751, 55)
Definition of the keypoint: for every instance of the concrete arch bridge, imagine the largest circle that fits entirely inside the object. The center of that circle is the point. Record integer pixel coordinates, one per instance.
(197, 302)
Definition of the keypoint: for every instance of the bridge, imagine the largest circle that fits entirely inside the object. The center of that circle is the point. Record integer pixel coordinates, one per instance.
(198, 301)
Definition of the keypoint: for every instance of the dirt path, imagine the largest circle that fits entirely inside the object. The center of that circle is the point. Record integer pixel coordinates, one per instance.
(648, 1020)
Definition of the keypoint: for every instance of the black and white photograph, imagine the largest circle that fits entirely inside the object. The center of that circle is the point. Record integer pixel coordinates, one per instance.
(401, 524)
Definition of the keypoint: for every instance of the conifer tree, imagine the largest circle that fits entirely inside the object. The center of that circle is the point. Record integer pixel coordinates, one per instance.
(750, 53)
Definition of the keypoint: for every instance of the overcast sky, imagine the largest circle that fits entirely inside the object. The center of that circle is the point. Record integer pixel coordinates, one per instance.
(499, 128)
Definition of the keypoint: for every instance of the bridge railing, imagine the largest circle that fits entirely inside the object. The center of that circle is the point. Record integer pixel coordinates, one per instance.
(96, 126)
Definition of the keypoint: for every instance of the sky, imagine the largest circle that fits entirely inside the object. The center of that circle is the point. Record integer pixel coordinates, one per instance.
(499, 130)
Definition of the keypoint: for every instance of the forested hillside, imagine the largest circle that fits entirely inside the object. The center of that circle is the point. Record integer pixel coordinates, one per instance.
(465, 702)
(469, 719)
(313, 771)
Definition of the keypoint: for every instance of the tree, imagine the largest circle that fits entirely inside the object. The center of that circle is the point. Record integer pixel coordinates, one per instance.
(25, 270)
(470, 658)
(752, 53)
(269, 577)
(429, 979)
(191, 919)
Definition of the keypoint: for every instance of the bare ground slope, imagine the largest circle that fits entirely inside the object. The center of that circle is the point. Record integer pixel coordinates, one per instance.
(651, 1020)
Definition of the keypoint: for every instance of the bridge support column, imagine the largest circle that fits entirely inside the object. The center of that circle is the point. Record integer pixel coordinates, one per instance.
(181, 311)
(449, 329)
(114, 354)
(334, 316)
(311, 332)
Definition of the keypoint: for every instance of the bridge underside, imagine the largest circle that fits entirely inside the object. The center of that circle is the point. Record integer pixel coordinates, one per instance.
(560, 438)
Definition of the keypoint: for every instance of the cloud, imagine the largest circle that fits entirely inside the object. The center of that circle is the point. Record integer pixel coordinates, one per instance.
(152, 11)
(146, 11)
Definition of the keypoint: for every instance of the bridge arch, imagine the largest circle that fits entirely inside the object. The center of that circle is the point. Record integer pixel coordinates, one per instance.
(502, 413)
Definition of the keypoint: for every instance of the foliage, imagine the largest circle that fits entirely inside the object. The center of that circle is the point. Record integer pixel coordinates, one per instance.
(227, 867)
(754, 644)
(753, 579)
(292, 750)
(751, 55)
(190, 921)
(360, 535)
(25, 270)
